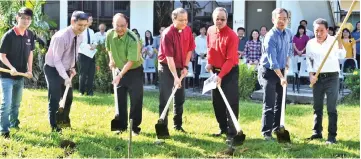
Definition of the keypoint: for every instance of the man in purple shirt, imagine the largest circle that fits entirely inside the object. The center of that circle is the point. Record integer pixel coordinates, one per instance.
(60, 63)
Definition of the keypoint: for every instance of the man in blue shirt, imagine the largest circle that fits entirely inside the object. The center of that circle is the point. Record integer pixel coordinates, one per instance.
(276, 49)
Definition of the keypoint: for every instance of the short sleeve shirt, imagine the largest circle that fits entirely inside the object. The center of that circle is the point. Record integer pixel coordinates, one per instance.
(17, 48)
(124, 49)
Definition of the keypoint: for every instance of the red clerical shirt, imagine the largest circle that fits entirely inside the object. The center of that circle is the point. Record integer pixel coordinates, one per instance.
(222, 49)
(176, 44)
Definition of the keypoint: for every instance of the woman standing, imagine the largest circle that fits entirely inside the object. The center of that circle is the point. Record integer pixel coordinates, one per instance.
(349, 43)
(299, 45)
(148, 53)
(252, 49)
(356, 36)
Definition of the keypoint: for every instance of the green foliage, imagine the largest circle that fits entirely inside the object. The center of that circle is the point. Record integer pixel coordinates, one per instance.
(352, 82)
(103, 75)
(38, 80)
(247, 81)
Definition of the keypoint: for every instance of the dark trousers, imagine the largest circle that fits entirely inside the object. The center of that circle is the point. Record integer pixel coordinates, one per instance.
(166, 83)
(271, 114)
(56, 90)
(327, 83)
(86, 74)
(229, 86)
(132, 83)
(197, 71)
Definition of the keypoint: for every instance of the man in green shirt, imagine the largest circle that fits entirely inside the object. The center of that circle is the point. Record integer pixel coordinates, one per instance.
(124, 53)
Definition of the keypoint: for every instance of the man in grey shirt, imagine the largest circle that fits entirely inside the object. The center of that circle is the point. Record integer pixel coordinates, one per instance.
(60, 64)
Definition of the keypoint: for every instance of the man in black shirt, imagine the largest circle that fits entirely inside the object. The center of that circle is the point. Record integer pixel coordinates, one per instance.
(16, 54)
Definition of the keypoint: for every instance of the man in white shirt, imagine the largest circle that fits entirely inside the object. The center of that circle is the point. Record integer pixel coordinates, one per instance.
(100, 36)
(328, 80)
(87, 60)
(201, 52)
(309, 33)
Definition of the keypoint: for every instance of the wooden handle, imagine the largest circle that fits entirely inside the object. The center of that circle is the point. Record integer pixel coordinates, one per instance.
(337, 34)
(62, 102)
(162, 116)
(17, 74)
(114, 74)
(283, 108)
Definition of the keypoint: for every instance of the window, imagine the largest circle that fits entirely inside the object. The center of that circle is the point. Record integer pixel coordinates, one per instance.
(121, 6)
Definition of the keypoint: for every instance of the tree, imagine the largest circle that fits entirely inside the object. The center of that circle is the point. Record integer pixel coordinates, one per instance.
(162, 14)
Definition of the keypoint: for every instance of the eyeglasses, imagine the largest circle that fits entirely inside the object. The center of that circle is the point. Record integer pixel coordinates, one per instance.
(25, 18)
(221, 19)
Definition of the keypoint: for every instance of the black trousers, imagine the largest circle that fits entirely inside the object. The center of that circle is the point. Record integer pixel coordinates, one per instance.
(166, 83)
(56, 90)
(358, 60)
(271, 114)
(132, 83)
(229, 86)
(197, 71)
(327, 83)
(86, 74)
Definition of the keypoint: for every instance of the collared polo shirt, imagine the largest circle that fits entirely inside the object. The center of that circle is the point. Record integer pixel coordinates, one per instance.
(17, 48)
(124, 49)
(222, 49)
(176, 44)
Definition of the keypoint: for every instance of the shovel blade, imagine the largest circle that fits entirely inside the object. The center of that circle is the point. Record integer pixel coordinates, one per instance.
(162, 130)
(239, 139)
(283, 136)
(60, 119)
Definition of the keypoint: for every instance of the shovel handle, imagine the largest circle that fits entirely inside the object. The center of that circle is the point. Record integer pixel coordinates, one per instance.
(62, 102)
(162, 116)
(17, 74)
(130, 138)
(283, 108)
(231, 113)
(334, 41)
(114, 74)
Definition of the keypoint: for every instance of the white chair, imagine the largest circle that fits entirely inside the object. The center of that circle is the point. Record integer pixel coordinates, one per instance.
(292, 73)
(303, 73)
(347, 66)
(190, 74)
(203, 73)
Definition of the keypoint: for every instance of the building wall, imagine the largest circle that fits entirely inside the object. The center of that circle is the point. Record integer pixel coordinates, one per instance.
(141, 16)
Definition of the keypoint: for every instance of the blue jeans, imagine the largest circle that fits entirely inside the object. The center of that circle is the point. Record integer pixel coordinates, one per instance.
(12, 91)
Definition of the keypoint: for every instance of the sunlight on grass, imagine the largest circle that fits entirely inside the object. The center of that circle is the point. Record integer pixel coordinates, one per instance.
(91, 116)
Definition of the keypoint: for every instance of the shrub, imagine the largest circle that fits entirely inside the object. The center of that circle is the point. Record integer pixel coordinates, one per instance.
(352, 82)
(247, 81)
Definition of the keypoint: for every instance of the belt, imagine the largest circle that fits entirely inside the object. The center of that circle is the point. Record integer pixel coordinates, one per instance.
(328, 74)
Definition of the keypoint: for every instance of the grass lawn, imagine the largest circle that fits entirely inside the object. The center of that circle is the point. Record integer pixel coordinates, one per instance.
(91, 118)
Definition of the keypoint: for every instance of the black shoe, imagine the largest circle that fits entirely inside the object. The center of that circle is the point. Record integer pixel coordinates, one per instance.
(180, 129)
(56, 129)
(268, 138)
(330, 141)
(315, 136)
(90, 93)
(219, 133)
(6, 135)
(117, 132)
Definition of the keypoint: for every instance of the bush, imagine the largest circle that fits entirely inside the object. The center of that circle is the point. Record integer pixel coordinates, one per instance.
(352, 82)
(103, 75)
(38, 80)
(247, 81)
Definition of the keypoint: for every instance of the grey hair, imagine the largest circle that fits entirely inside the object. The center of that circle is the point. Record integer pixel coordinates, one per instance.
(178, 11)
(220, 9)
(279, 11)
(321, 21)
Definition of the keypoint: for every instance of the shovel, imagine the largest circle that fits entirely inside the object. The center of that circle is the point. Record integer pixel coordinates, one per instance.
(130, 139)
(17, 74)
(240, 137)
(161, 128)
(115, 124)
(283, 135)
(60, 118)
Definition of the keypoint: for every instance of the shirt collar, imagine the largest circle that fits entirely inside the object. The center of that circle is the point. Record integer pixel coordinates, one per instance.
(115, 35)
(223, 29)
(71, 32)
(17, 31)
(279, 32)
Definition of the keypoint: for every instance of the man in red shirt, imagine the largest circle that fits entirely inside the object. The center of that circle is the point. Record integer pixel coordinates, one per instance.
(175, 51)
(222, 45)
